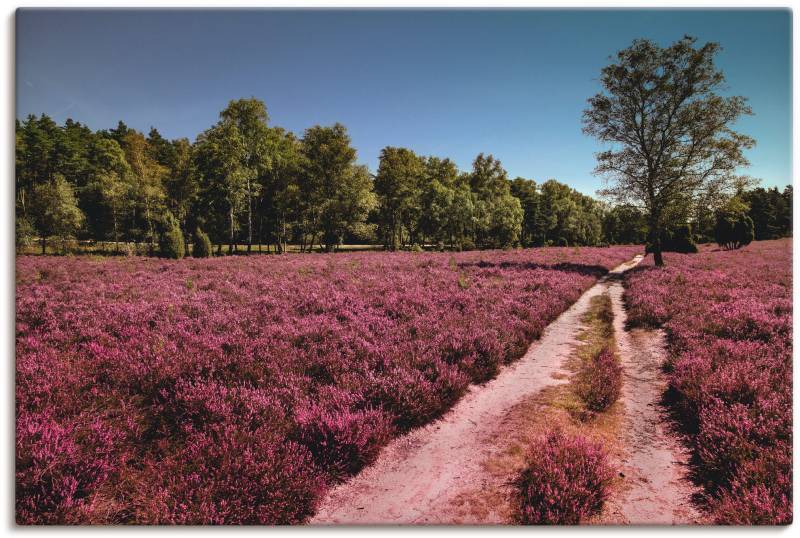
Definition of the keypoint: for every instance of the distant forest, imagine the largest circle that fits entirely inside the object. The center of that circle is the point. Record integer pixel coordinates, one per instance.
(245, 183)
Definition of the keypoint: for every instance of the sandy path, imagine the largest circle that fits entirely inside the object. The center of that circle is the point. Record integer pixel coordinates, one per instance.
(656, 491)
(418, 476)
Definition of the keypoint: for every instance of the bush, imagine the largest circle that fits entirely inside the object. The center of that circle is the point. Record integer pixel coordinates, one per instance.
(729, 320)
(171, 241)
(600, 381)
(679, 239)
(566, 481)
(733, 230)
(341, 440)
(202, 245)
(58, 467)
(24, 233)
(230, 392)
(229, 475)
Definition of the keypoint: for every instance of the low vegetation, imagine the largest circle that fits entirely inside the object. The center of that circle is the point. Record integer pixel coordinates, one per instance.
(566, 482)
(567, 476)
(728, 315)
(202, 245)
(599, 382)
(236, 390)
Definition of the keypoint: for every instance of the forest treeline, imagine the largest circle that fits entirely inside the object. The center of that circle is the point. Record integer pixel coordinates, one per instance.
(243, 182)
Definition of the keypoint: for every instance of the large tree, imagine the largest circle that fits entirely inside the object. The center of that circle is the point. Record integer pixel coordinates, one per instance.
(147, 189)
(334, 194)
(280, 196)
(498, 214)
(670, 130)
(397, 185)
(54, 210)
(248, 117)
(218, 156)
(106, 199)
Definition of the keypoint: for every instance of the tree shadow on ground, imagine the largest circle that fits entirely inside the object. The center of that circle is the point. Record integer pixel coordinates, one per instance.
(567, 267)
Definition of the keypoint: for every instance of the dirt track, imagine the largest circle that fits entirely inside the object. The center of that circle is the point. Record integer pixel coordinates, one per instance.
(657, 491)
(418, 477)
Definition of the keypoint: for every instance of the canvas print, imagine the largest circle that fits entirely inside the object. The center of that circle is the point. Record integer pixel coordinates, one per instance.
(403, 267)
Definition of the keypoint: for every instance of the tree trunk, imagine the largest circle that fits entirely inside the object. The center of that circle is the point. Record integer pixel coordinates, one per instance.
(44, 244)
(185, 231)
(116, 236)
(249, 218)
(657, 257)
(230, 237)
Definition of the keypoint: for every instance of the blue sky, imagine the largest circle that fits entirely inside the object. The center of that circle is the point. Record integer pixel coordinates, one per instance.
(446, 83)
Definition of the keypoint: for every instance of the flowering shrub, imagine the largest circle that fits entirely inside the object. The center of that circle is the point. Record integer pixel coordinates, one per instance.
(566, 481)
(728, 315)
(235, 390)
(599, 380)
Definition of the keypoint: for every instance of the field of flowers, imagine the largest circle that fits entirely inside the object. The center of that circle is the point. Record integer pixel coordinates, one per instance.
(728, 316)
(236, 390)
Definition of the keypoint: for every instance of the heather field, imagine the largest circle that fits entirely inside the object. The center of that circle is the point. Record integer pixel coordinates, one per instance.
(239, 389)
(728, 317)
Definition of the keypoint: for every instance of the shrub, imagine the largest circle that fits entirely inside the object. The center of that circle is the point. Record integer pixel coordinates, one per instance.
(728, 316)
(24, 233)
(342, 441)
(202, 245)
(229, 475)
(566, 481)
(681, 240)
(600, 381)
(58, 467)
(733, 230)
(677, 239)
(171, 240)
(239, 400)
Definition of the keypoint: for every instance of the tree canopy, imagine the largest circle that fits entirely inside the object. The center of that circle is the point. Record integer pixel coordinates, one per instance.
(245, 182)
(670, 131)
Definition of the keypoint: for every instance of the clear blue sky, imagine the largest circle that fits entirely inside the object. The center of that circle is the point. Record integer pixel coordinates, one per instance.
(446, 83)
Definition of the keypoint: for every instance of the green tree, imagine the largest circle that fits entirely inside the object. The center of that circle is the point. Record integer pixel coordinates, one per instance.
(147, 187)
(181, 182)
(527, 192)
(202, 245)
(280, 195)
(106, 198)
(733, 228)
(347, 206)
(398, 187)
(437, 200)
(327, 177)
(54, 210)
(36, 159)
(171, 243)
(248, 119)
(497, 214)
(670, 129)
(624, 225)
(218, 157)
(771, 212)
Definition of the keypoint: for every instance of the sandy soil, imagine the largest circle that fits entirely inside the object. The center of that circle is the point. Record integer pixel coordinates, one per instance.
(655, 490)
(419, 477)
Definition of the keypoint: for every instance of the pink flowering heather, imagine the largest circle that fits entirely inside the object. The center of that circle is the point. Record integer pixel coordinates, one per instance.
(236, 390)
(728, 315)
(566, 481)
(600, 380)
